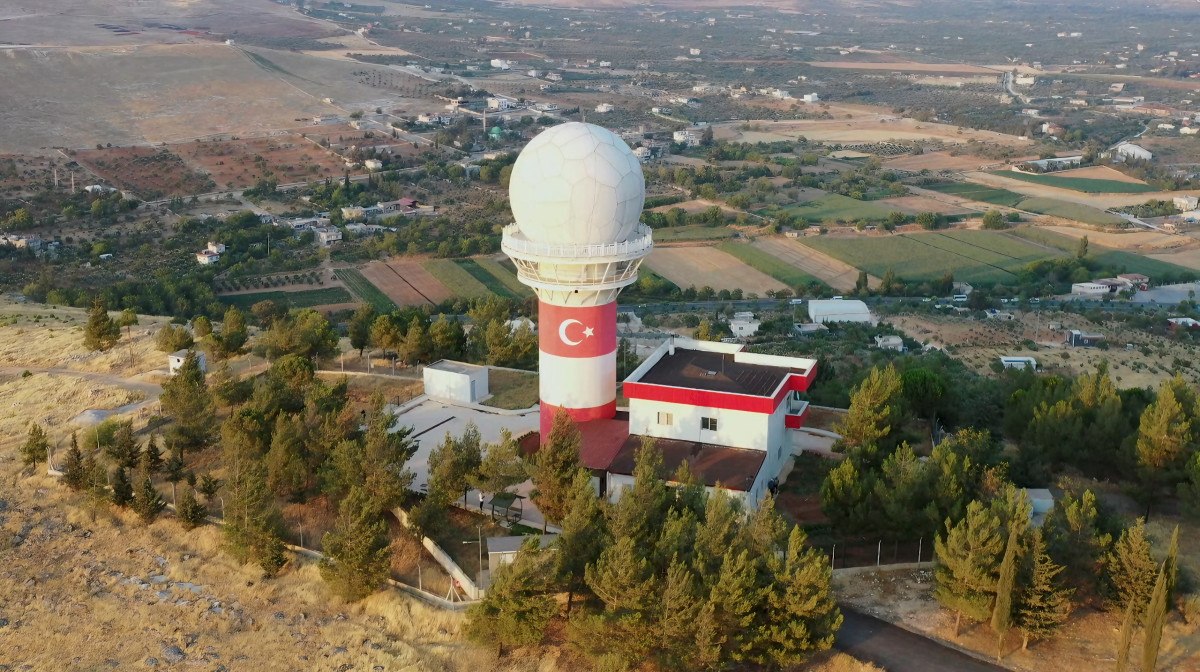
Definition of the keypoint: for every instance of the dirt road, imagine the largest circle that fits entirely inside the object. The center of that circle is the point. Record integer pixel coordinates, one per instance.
(833, 272)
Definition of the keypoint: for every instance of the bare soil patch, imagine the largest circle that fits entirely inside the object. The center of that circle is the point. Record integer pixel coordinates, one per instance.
(907, 66)
(1099, 173)
(709, 267)
(406, 282)
(288, 158)
(150, 172)
(1101, 201)
(833, 272)
(917, 204)
(936, 161)
(1138, 240)
(695, 205)
(856, 125)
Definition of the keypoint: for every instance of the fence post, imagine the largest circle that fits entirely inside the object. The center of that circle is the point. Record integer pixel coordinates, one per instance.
(920, 545)
(833, 558)
(879, 553)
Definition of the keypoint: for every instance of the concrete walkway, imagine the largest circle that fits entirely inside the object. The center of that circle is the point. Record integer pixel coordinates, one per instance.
(898, 650)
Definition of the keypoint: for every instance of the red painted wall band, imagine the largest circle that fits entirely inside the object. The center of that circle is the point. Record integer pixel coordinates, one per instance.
(725, 400)
(547, 412)
(577, 331)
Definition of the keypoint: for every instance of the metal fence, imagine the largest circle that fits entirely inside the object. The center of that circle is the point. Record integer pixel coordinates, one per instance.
(877, 553)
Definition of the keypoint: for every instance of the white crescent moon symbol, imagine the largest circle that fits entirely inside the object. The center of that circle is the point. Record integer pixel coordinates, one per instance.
(562, 331)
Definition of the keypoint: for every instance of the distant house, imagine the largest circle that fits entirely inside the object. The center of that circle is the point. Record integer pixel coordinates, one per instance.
(687, 138)
(33, 243)
(498, 103)
(554, 76)
(501, 64)
(373, 164)
(1083, 339)
(744, 325)
(604, 108)
(1185, 203)
(207, 257)
(1132, 151)
(894, 343)
(643, 154)
(327, 235)
(176, 359)
(811, 98)
(98, 189)
(353, 213)
(398, 205)
(1010, 362)
(1189, 130)
(1174, 323)
(1091, 289)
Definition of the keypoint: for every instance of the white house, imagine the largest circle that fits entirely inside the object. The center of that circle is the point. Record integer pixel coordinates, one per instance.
(353, 213)
(216, 248)
(694, 51)
(605, 107)
(1010, 362)
(176, 359)
(373, 164)
(643, 154)
(498, 103)
(456, 382)
(1185, 203)
(811, 98)
(1189, 130)
(501, 64)
(686, 137)
(822, 311)
(327, 235)
(1132, 151)
(894, 343)
(744, 325)
(207, 257)
(726, 412)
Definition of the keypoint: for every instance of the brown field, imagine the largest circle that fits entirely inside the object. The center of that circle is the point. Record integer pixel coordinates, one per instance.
(1098, 173)
(150, 172)
(695, 205)
(238, 163)
(907, 66)
(406, 282)
(833, 272)
(857, 123)
(709, 267)
(917, 204)
(1139, 240)
(936, 161)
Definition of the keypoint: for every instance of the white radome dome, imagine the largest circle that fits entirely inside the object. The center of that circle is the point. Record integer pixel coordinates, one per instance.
(579, 184)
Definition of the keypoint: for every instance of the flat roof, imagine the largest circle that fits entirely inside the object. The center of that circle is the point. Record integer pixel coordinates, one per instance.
(733, 468)
(453, 366)
(715, 372)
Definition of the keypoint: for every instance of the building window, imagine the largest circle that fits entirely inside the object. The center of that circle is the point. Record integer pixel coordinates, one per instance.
(709, 424)
(665, 418)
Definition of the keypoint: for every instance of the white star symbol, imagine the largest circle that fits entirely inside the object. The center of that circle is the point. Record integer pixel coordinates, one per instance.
(588, 332)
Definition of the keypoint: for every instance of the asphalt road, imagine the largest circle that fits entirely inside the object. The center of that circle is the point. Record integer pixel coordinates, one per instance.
(898, 650)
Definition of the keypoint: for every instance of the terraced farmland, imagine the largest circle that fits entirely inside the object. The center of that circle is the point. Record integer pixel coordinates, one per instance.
(366, 291)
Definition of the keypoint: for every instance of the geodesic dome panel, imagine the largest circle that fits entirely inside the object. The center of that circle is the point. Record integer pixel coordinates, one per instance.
(577, 184)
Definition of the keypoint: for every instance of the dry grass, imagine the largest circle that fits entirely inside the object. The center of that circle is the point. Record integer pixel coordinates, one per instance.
(707, 266)
(52, 400)
(36, 336)
(835, 661)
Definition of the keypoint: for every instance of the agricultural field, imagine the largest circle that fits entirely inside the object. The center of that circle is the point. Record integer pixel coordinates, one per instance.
(1072, 211)
(915, 205)
(840, 208)
(1118, 261)
(935, 161)
(833, 272)
(310, 298)
(241, 163)
(691, 232)
(455, 277)
(406, 282)
(1086, 185)
(709, 267)
(978, 192)
(1099, 173)
(488, 279)
(505, 273)
(148, 172)
(983, 257)
(768, 263)
(364, 290)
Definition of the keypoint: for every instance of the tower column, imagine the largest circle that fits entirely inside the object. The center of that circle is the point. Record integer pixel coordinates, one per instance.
(577, 357)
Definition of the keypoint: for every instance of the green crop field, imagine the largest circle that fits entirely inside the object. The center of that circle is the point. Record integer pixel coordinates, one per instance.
(1111, 261)
(494, 284)
(366, 291)
(1086, 185)
(978, 192)
(692, 232)
(504, 272)
(457, 279)
(838, 207)
(984, 257)
(768, 263)
(1068, 210)
(303, 299)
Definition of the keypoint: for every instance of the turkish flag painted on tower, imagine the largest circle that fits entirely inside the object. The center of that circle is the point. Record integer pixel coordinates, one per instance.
(577, 331)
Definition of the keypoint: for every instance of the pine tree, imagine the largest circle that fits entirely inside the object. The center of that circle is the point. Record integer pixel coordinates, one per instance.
(74, 474)
(252, 519)
(554, 467)
(417, 345)
(675, 626)
(583, 537)
(97, 485)
(448, 338)
(287, 471)
(1189, 488)
(359, 327)
(1002, 608)
(174, 471)
(802, 615)
(968, 558)
(186, 399)
(516, 609)
(1154, 620)
(737, 599)
(147, 503)
(190, 512)
(639, 512)
(122, 489)
(1042, 606)
(1172, 564)
(357, 558)
(233, 333)
(1129, 569)
(502, 466)
(1074, 540)
(123, 449)
(209, 487)
(846, 495)
(454, 463)
(1164, 436)
(36, 446)
(874, 409)
(101, 331)
(151, 460)
(1126, 638)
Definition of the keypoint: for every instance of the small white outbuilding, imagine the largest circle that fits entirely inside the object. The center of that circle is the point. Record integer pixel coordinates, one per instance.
(823, 311)
(176, 359)
(456, 382)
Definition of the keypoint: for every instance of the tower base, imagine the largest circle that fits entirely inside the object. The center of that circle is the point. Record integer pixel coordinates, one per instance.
(548, 411)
